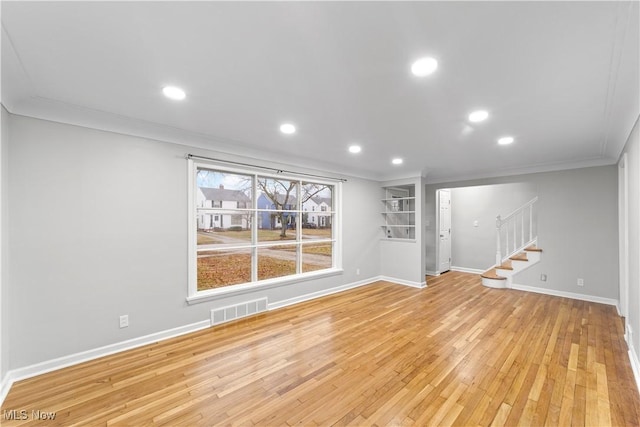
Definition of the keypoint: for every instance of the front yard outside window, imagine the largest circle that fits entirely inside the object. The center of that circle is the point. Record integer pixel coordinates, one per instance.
(250, 228)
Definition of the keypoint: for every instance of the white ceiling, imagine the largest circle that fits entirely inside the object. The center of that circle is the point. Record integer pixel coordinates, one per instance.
(561, 77)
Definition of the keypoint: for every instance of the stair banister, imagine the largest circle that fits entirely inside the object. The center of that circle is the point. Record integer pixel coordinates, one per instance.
(510, 225)
(498, 254)
(522, 229)
(515, 233)
(531, 222)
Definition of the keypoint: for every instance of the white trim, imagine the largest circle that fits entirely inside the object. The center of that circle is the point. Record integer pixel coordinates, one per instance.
(5, 386)
(2, 243)
(192, 236)
(85, 356)
(437, 230)
(467, 270)
(623, 234)
(627, 332)
(43, 108)
(337, 229)
(635, 366)
(413, 284)
(68, 113)
(65, 361)
(341, 288)
(432, 273)
(244, 288)
(302, 298)
(555, 293)
(451, 180)
(633, 356)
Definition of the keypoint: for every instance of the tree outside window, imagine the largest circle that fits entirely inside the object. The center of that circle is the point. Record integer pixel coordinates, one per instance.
(253, 227)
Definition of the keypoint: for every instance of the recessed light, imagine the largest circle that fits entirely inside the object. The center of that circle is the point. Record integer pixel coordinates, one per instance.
(397, 161)
(174, 93)
(505, 140)
(355, 149)
(424, 66)
(287, 128)
(478, 116)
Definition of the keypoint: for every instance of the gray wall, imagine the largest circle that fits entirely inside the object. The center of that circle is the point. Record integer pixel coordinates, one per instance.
(577, 228)
(99, 228)
(4, 265)
(475, 247)
(633, 164)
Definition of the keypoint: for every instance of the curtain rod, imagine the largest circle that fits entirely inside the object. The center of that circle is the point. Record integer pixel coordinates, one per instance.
(276, 170)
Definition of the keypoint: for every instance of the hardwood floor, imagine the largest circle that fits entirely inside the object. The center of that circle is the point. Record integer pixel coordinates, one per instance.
(455, 353)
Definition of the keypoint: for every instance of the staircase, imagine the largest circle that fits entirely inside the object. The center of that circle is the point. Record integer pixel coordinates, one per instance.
(516, 248)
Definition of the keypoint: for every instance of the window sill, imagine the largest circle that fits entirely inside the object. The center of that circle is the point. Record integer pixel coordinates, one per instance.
(229, 291)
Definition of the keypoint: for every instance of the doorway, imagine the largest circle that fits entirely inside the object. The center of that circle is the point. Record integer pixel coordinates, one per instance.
(444, 230)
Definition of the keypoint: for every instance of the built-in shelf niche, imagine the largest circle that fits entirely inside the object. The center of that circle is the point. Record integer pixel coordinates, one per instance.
(399, 212)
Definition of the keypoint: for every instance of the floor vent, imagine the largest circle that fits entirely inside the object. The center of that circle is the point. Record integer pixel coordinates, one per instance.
(232, 312)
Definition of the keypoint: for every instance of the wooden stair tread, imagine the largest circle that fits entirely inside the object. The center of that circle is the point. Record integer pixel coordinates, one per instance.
(522, 256)
(492, 274)
(505, 265)
(533, 248)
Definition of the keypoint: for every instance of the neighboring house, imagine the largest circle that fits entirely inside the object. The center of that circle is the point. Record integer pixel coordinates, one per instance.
(324, 211)
(310, 209)
(220, 198)
(270, 220)
(318, 211)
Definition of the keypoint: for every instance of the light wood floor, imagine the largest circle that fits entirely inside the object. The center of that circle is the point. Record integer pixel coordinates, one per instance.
(455, 353)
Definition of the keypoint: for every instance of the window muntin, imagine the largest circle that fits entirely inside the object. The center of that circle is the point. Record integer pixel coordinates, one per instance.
(254, 228)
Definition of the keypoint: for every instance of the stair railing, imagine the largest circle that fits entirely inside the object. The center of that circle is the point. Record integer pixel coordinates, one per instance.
(516, 230)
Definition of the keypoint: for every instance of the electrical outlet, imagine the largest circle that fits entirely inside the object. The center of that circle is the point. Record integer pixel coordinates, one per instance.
(124, 321)
(475, 223)
(543, 277)
(580, 282)
(357, 271)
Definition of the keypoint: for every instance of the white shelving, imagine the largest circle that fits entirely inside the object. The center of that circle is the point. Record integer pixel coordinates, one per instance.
(399, 212)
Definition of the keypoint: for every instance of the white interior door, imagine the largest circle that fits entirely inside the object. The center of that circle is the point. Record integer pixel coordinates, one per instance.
(444, 226)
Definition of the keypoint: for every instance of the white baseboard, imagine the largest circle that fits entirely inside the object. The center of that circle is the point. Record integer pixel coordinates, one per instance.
(553, 292)
(65, 361)
(420, 285)
(635, 366)
(467, 270)
(85, 356)
(432, 273)
(5, 386)
(627, 331)
(330, 291)
(322, 293)
(633, 355)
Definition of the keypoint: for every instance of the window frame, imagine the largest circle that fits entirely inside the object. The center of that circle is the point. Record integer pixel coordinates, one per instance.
(195, 296)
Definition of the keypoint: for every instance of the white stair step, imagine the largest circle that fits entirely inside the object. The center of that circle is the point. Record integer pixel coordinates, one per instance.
(501, 276)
